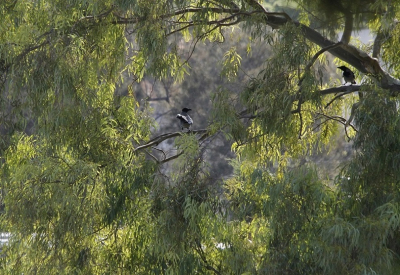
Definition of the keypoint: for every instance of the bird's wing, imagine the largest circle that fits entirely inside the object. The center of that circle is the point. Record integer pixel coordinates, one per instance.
(185, 118)
(189, 119)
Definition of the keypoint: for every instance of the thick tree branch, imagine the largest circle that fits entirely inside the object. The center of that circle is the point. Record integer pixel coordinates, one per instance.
(348, 53)
(376, 50)
(348, 28)
(340, 89)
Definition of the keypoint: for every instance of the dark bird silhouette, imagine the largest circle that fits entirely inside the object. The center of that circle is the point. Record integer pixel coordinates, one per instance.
(185, 119)
(348, 75)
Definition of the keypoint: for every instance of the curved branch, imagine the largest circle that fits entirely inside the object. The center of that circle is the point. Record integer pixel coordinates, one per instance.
(157, 140)
(346, 52)
(339, 119)
(315, 57)
(359, 59)
(336, 97)
(341, 89)
(171, 158)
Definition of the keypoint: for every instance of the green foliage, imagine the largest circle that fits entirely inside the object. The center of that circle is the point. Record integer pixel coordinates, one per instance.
(231, 64)
(332, 14)
(82, 194)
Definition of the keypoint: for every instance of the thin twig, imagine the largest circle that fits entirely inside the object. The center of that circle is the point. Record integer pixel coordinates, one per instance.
(336, 97)
(201, 253)
(160, 150)
(338, 119)
(301, 124)
(315, 57)
(152, 156)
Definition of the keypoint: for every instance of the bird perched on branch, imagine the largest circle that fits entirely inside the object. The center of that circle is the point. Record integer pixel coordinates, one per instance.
(348, 75)
(185, 119)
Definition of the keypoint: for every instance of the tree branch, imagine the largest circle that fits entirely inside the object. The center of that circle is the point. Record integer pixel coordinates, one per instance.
(157, 140)
(336, 97)
(348, 28)
(202, 255)
(315, 57)
(348, 53)
(340, 89)
(376, 50)
(28, 50)
(133, 20)
(171, 158)
(335, 118)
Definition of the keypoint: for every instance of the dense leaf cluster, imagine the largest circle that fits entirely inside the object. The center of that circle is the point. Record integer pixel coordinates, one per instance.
(85, 189)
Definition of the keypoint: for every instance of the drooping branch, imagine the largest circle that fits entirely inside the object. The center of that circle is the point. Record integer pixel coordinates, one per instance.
(315, 57)
(339, 119)
(306, 70)
(336, 97)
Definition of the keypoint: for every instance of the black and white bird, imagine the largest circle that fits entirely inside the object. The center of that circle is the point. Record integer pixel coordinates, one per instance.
(348, 75)
(185, 119)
